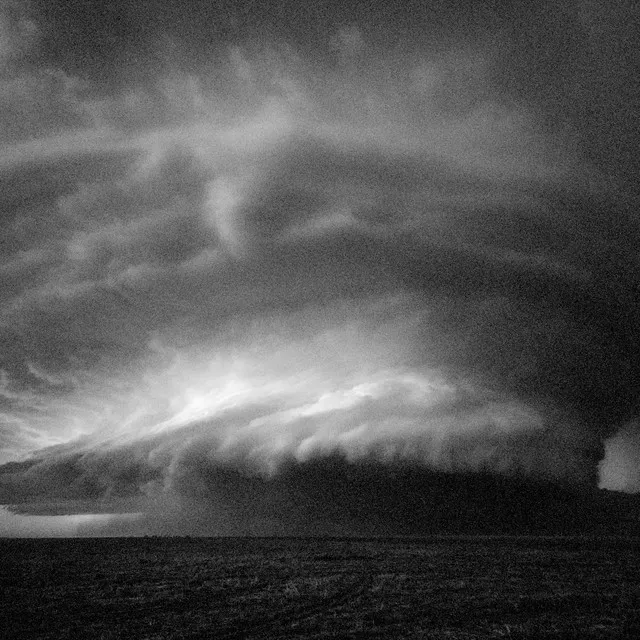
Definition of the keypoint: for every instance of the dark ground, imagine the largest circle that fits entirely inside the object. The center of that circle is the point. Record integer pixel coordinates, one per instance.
(223, 588)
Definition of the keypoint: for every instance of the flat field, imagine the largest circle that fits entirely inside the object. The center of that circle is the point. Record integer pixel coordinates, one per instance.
(224, 588)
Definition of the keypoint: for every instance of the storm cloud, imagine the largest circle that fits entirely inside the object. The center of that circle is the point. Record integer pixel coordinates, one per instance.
(241, 265)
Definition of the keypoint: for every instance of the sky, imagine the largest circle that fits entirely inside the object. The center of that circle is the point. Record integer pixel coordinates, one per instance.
(273, 269)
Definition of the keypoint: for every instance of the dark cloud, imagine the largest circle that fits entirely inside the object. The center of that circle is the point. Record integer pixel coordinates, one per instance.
(334, 496)
(237, 275)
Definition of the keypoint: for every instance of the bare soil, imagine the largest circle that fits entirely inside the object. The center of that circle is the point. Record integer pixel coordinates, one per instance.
(236, 588)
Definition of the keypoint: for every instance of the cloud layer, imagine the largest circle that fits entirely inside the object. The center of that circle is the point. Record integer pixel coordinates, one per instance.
(259, 260)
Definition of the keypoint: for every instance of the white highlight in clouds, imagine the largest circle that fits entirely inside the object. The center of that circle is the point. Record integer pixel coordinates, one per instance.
(298, 386)
(225, 196)
(620, 467)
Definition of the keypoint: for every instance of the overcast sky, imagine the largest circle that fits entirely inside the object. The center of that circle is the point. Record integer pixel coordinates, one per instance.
(258, 259)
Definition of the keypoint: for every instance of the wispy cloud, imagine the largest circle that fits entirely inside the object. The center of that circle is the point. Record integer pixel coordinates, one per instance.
(279, 257)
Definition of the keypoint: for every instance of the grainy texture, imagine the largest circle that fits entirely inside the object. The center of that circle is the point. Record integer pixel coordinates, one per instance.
(471, 587)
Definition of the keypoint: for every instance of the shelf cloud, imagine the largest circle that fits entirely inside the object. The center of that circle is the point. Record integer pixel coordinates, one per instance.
(238, 266)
